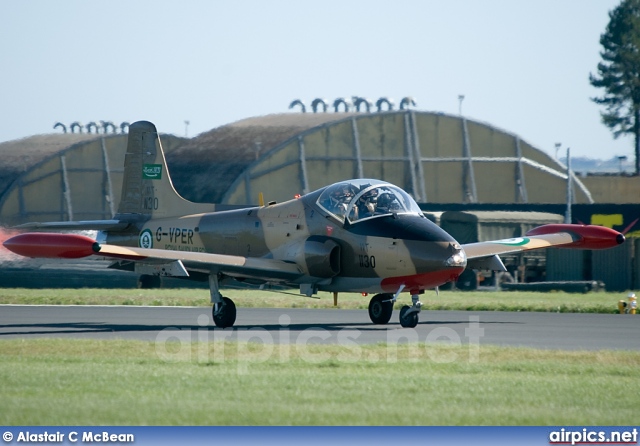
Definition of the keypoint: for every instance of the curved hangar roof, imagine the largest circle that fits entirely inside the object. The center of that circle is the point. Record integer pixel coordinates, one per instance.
(59, 177)
(435, 157)
(438, 158)
(206, 166)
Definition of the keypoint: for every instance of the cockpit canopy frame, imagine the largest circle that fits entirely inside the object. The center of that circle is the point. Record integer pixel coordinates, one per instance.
(363, 199)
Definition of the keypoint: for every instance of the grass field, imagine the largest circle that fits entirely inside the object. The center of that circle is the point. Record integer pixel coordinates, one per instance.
(88, 382)
(117, 382)
(601, 302)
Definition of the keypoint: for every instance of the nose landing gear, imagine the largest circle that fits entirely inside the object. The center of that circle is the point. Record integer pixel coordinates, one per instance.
(409, 314)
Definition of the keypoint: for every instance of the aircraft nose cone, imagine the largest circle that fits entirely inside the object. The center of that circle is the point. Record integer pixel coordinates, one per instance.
(620, 239)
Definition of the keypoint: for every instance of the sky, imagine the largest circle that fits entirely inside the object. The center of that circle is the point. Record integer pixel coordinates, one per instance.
(522, 66)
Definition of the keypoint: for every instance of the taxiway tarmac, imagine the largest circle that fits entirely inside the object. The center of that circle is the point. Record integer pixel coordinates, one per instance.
(562, 331)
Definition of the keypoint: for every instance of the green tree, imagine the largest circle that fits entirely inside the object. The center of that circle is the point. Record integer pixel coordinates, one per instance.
(619, 73)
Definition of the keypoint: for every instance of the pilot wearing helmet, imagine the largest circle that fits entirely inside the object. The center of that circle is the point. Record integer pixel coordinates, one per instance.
(386, 203)
(366, 204)
(338, 199)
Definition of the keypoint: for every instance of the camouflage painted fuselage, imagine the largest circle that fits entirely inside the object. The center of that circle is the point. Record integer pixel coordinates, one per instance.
(374, 255)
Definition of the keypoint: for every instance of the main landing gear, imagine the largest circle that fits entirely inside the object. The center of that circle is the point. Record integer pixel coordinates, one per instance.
(224, 310)
(381, 307)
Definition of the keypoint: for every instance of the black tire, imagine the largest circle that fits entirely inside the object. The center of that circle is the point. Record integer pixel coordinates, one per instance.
(381, 308)
(227, 316)
(408, 320)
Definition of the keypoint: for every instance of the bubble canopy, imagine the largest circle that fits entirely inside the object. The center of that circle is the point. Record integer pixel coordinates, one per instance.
(363, 199)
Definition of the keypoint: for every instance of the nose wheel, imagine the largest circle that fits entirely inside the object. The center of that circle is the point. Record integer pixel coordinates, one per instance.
(409, 314)
(408, 317)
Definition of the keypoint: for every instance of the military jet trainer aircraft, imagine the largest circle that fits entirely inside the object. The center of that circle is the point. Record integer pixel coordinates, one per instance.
(361, 235)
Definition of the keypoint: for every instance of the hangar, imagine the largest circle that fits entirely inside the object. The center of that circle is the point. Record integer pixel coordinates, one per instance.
(438, 158)
(60, 177)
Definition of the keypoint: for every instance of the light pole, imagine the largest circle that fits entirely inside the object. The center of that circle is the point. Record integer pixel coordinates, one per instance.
(460, 99)
(558, 144)
(621, 159)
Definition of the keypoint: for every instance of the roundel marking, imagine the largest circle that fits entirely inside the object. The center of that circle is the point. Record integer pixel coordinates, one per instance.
(146, 239)
(518, 241)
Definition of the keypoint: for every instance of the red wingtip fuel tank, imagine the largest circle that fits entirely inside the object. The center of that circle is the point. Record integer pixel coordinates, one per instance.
(584, 236)
(51, 245)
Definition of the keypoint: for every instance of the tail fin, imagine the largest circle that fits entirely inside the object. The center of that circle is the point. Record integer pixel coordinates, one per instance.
(147, 189)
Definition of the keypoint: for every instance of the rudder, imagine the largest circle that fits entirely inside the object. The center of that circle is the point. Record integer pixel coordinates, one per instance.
(147, 189)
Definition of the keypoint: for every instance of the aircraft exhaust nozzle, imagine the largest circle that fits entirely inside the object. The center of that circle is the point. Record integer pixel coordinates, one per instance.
(51, 245)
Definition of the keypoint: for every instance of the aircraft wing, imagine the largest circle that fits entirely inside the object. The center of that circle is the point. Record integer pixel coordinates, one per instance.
(54, 245)
(484, 254)
(235, 266)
